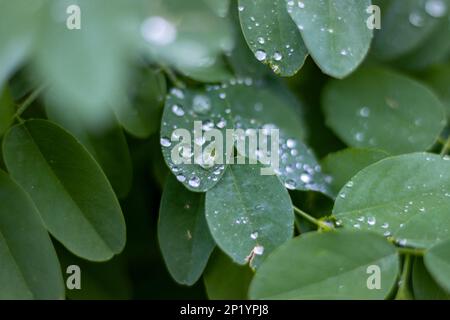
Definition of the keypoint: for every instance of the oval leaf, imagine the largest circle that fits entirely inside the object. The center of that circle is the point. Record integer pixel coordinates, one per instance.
(328, 266)
(71, 192)
(437, 261)
(29, 267)
(416, 214)
(249, 214)
(424, 286)
(183, 233)
(334, 31)
(376, 108)
(272, 35)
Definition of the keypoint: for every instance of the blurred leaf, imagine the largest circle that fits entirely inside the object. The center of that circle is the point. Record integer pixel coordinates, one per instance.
(345, 164)
(334, 31)
(272, 35)
(226, 280)
(140, 116)
(439, 79)
(7, 110)
(425, 288)
(437, 261)
(183, 234)
(405, 197)
(71, 192)
(218, 72)
(329, 266)
(249, 214)
(377, 108)
(406, 25)
(29, 268)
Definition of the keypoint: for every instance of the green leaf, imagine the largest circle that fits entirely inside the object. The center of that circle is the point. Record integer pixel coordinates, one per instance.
(437, 261)
(439, 79)
(7, 110)
(183, 233)
(226, 280)
(405, 197)
(272, 35)
(424, 286)
(140, 114)
(406, 25)
(29, 268)
(345, 164)
(334, 31)
(70, 191)
(332, 265)
(249, 214)
(199, 170)
(298, 167)
(108, 146)
(377, 108)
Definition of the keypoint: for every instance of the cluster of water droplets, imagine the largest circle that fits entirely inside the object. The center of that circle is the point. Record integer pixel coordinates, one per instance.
(431, 9)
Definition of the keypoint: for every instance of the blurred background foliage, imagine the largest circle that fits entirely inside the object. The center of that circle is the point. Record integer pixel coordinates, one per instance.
(106, 84)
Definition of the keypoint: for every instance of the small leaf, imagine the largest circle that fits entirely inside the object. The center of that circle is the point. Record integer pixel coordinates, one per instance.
(332, 265)
(272, 35)
(6, 110)
(108, 146)
(183, 233)
(334, 31)
(424, 286)
(69, 189)
(29, 268)
(437, 261)
(226, 280)
(405, 197)
(249, 214)
(345, 164)
(377, 108)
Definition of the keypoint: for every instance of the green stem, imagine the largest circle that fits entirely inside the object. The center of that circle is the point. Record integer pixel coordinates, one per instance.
(445, 147)
(404, 293)
(411, 251)
(173, 78)
(322, 225)
(28, 101)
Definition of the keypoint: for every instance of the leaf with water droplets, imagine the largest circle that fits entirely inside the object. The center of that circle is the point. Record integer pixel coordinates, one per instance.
(249, 214)
(193, 135)
(272, 35)
(70, 191)
(437, 261)
(333, 265)
(183, 234)
(226, 280)
(344, 164)
(29, 265)
(406, 25)
(334, 31)
(404, 197)
(424, 286)
(259, 107)
(377, 108)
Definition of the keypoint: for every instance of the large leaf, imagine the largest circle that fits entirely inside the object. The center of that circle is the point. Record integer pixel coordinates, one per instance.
(107, 145)
(344, 164)
(406, 25)
(327, 266)
(198, 168)
(183, 233)
(334, 31)
(226, 280)
(376, 108)
(71, 192)
(437, 261)
(272, 35)
(6, 110)
(249, 214)
(29, 268)
(405, 197)
(424, 286)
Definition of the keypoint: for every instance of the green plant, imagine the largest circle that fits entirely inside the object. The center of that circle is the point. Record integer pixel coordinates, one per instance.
(358, 206)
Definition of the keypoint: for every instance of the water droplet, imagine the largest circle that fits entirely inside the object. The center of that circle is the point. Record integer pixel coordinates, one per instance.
(291, 143)
(221, 124)
(201, 104)
(305, 178)
(261, 40)
(344, 52)
(416, 19)
(178, 110)
(436, 8)
(194, 182)
(241, 8)
(165, 142)
(254, 235)
(364, 112)
(371, 221)
(258, 250)
(359, 136)
(261, 55)
(385, 225)
(277, 56)
(301, 5)
(290, 184)
(181, 178)
(158, 31)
